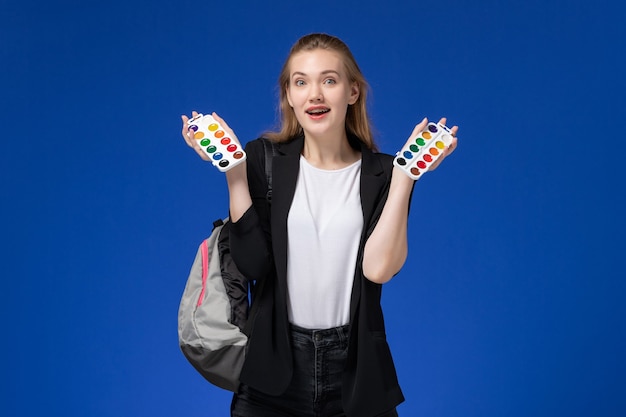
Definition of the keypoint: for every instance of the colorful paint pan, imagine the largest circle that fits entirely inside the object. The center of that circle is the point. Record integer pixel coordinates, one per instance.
(222, 150)
(424, 150)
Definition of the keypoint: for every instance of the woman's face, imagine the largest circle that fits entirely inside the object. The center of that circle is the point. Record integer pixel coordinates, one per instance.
(319, 92)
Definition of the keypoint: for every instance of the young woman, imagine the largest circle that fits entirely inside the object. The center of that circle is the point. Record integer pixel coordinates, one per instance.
(335, 231)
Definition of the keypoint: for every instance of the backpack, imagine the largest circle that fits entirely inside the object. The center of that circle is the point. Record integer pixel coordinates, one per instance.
(215, 315)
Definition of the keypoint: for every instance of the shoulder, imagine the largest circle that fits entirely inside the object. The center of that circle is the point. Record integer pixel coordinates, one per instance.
(377, 163)
(255, 146)
(257, 151)
(384, 158)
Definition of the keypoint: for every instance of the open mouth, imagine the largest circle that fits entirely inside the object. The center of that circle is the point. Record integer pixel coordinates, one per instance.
(317, 111)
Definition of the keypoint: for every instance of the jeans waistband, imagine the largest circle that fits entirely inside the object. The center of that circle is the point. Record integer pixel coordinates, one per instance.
(320, 336)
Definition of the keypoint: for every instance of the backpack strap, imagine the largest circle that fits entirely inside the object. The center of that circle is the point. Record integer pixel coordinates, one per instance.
(269, 149)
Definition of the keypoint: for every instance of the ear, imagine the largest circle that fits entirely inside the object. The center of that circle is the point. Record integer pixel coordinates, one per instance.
(288, 95)
(355, 92)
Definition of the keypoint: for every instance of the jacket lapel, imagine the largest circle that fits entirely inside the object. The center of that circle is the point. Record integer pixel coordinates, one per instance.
(373, 183)
(285, 168)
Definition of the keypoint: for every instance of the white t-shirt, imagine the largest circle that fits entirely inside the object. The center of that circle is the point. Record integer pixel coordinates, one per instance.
(324, 228)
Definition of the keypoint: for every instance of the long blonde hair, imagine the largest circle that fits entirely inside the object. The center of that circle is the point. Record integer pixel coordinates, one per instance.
(357, 120)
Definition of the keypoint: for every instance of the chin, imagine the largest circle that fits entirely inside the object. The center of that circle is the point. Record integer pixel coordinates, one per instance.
(318, 129)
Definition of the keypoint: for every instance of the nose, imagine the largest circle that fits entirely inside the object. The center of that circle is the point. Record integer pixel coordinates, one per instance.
(315, 94)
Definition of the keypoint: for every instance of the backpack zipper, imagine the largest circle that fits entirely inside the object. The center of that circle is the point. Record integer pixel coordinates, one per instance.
(204, 248)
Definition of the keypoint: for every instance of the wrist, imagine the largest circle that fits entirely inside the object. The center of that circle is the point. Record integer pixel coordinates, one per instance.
(401, 179)
(236, 174)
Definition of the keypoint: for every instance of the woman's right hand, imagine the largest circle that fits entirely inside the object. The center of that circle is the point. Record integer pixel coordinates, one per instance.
(236, 177)
(188, 136)
(192, 143)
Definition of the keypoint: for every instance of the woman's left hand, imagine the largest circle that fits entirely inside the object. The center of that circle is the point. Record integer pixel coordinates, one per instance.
(447, 151)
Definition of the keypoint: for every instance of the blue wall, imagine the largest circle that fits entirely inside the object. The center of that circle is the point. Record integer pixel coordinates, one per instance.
(512, 302)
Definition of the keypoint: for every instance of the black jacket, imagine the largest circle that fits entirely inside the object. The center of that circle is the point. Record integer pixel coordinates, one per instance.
(259, 248)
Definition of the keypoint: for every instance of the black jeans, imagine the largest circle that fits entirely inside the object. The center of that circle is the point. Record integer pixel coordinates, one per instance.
(315, 389)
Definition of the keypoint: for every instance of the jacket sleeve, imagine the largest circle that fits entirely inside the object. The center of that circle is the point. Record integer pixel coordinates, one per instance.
(250, 238)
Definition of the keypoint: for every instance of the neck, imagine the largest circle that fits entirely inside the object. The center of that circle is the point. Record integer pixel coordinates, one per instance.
(329, 152)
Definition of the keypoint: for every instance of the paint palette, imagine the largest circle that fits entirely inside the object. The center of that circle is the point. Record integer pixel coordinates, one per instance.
(225, 153)
(418, 155)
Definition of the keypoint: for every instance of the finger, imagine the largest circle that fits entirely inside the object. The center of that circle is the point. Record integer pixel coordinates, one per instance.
(193, 143)
(451, 147)
(185, 120)
(447, 151)
(419, 128)
(185, 129)
(202, 154)
(453, 130)
(189, 135)
(186, 132)
(221, 121)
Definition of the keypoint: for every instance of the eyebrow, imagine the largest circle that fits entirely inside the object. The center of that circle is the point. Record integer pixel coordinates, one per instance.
(323, 73)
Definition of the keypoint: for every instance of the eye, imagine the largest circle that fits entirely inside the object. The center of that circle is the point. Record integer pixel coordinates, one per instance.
(330, 81)
(299, 83)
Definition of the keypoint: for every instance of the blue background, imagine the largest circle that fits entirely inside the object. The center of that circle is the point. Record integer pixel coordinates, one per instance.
(512, 301)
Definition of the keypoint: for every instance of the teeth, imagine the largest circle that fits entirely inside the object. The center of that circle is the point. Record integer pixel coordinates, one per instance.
(317, 111)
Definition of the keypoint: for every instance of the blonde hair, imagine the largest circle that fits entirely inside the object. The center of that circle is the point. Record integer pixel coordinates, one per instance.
(357, 120)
